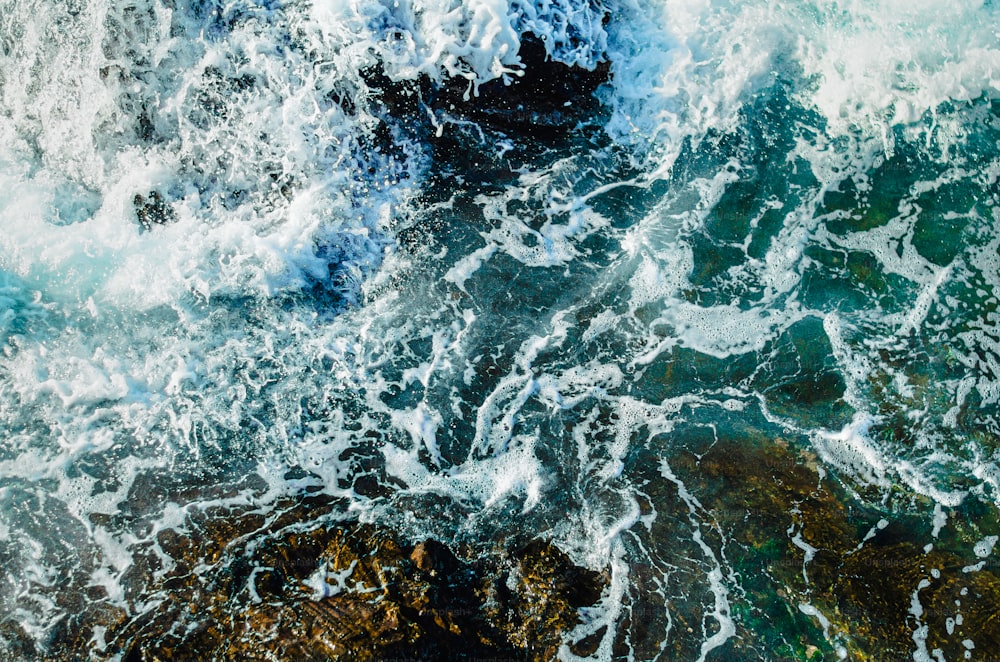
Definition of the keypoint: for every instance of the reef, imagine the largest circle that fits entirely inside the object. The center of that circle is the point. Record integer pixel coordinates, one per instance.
(302, 583)
(239, 588)
(862, 567)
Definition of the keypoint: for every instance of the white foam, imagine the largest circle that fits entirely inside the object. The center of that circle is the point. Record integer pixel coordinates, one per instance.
(810, 610)
(266, 243)
(606, 613)
(116, 341)
(851, 450)
(922, 305)
(920, 654)
(716, 578)
(685, 67)
(872, 532)
(478, 41)
(422, 425)
(724, 330)
(470, 264)
(325, 583)
(984, 547)
(564, 222)
(513, 473)
(573, 386)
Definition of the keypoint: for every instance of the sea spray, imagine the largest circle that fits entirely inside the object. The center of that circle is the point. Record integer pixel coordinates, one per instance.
(702, 293)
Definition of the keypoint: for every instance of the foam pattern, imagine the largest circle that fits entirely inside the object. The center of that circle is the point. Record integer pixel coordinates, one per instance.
(238, 264)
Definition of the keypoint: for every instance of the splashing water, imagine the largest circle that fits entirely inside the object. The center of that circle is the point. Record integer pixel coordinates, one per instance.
(715, 311)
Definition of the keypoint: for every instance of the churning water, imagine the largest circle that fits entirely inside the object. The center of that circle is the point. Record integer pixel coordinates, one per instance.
(256, 248)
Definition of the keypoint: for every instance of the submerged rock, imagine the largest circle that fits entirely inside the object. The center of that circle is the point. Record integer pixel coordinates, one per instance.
(832, 573)
(346, 591)
(152, 210)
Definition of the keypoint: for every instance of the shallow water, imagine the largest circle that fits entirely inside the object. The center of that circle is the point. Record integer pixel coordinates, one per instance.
(724, 328)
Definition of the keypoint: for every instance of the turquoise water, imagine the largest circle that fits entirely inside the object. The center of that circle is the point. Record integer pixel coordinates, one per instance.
(714, 310)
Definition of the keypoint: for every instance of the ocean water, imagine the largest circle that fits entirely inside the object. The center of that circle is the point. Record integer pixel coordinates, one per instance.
(704, 292)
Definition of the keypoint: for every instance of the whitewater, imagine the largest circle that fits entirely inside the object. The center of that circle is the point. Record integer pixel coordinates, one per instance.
(702, 292)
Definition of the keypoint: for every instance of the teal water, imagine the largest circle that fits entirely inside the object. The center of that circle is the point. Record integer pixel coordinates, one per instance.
(714, 310)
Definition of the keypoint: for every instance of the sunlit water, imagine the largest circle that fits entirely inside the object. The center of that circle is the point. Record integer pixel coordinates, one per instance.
(244, 254)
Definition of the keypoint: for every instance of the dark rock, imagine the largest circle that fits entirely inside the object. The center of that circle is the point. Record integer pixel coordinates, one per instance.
(345, 591)
(755, 487)
(545, 102)
(18, 642)
(152, 210)
(432, 557)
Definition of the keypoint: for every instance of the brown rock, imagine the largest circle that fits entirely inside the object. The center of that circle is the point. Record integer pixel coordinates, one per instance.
(385, 598)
